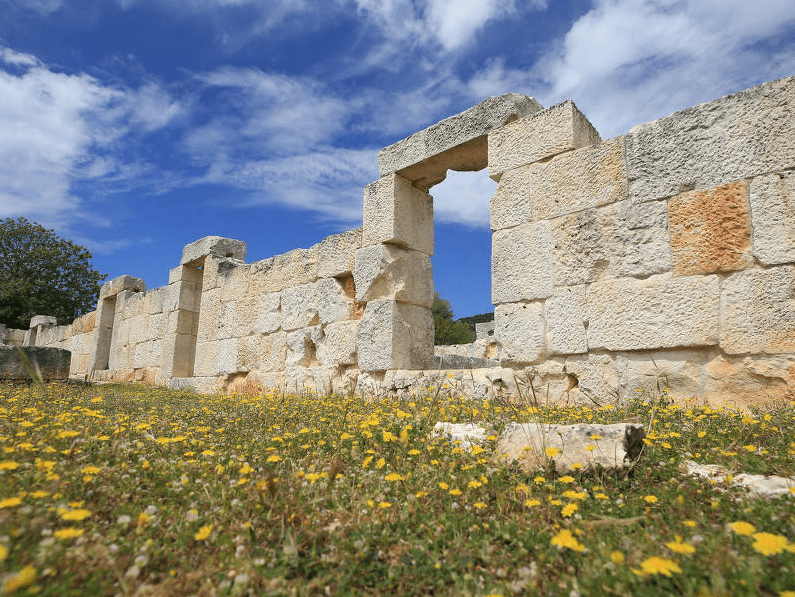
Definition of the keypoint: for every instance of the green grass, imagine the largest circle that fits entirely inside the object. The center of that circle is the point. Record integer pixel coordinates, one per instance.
(180, 494)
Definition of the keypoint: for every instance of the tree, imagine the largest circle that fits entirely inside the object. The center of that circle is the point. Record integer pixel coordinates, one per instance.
(43, 274)
(448, 331)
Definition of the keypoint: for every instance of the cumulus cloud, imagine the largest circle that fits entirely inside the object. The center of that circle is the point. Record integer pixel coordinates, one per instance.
(463, 198)
(628, 61)
(54, 128)
(44, 7)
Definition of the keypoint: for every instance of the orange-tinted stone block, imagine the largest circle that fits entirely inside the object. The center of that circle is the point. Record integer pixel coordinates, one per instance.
(710, 230)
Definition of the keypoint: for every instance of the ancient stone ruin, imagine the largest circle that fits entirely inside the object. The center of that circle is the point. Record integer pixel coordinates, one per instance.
(663, 258)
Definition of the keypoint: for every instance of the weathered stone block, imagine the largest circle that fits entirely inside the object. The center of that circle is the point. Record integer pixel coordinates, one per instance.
(117, 285)
(268, 313)
(333, 303)
(624, 239)
(565, 315)
(299, 307)
(521, 263)
(758, 311)
(533, 138)
(746, 381)
(227, 356)
(773, 216)
(735, 137)
(519, 328)
(659, 312)
(213, 245)
(209, 315)
(338, 346)
(233, 279)
(570, 182)
(710, 230)
(293, 268)
(262, 352)
(302, 347)
(458, 142)
(594, 447)
(52, 363)
(395, 335)
(389, 272)
(335, 255)
(398, 213)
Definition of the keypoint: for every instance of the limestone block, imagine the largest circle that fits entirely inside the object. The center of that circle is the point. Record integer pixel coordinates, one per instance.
(233, 279)
(484, 330)
(42, 320)
(213, 245)
(141, 355)
(271, 351)
(745, 381)
(658, 312)
(398, 213)
(711, 230)
(521, 263)
(757, 312)
(457, 142)
(533, 138)
(519, 328)
(302, 346)
(463, 435)
(758, 486)
(732, 138)
(205, 278)
(268, 313)
(293, 268)
(182, 322)
(511, 204)
(773, 215)
(227, 356)
(299, 307)
(338, 345)
(570, 182)
(565, 315)
(120, 284)
(138, 331)
(182, 356)
(210, 315)
(648, 374)
(333, 303)
(153, 303)
(131, 304)
(595, 447)
(389, 272)
(335, 254)
(624, 239)
(394, 335)
(156, 326)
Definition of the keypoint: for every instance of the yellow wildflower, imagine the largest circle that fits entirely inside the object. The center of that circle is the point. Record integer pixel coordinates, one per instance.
(565, 539)
(10, 502)
(68, 533)
(394, 477)
(769, 544)
(76, 515)
(657, 565)
(650, 499)
(273, 458)
(617, 557)
(569, 509)
(203, 533)
(26, 576)
(742, 528)
(8, 465)
(678, 546)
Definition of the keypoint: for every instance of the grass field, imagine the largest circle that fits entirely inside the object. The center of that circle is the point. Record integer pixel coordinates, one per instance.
(115, 490)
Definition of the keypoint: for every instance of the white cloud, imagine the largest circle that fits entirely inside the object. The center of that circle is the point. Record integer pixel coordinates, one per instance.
(44, 7)
(628, 61)
(463, 198)
(54, 124)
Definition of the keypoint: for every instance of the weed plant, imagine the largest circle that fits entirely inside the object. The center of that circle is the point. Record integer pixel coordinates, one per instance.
(115, 490)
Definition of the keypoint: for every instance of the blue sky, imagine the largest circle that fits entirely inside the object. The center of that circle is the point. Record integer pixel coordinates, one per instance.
(134, 127)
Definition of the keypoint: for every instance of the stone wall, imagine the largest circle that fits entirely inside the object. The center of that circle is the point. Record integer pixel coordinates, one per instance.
(663, 258)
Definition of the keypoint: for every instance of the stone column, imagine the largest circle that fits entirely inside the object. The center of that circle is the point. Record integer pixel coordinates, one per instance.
(183, 302)
(392, 273)
(106, 313)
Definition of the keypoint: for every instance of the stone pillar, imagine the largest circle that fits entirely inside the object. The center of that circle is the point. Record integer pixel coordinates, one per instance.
(38, 321)
(106, 313)
(392, 273)
(183, 302)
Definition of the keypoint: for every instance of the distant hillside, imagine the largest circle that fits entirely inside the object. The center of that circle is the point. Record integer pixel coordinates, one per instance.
(471, 321)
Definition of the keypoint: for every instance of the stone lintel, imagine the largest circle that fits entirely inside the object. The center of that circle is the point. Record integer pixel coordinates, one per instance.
(39, 320)
(455, 143)
(214, 245)
(120, 284)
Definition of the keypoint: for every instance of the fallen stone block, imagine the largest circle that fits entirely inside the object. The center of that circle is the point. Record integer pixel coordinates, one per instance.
(581, 447)
(52, 363)
(759, 486)
(464, 434)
